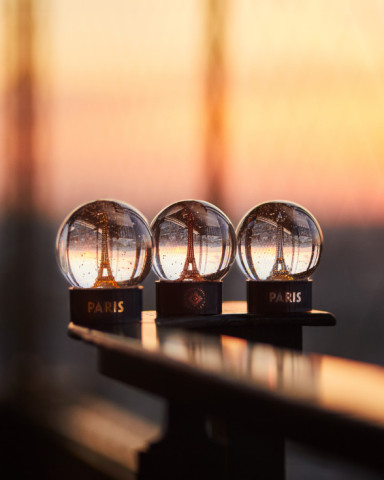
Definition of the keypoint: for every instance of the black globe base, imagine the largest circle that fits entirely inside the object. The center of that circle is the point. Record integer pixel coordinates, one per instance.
(279, 296)
(188, 298)
(101, 306)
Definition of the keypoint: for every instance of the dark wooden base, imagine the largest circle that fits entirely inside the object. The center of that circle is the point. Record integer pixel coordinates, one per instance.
(278, 296)
(91, 307)
(188, 298)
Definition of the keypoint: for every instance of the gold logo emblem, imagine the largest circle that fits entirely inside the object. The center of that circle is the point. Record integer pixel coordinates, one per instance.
(195, 299)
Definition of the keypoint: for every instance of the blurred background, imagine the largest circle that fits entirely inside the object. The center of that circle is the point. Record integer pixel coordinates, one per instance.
(233, 102)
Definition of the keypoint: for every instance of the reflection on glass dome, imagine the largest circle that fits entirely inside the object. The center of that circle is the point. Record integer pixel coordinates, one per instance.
(104, 244)
(194, 241)
(279, 241)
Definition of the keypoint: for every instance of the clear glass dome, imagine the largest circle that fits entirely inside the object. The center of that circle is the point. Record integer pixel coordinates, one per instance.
(104, 244)
(194, 241)
(278, 241)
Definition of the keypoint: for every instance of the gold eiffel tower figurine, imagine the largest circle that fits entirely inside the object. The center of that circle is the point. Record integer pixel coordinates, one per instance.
(280, 270)
(103, 280)
(190, 273)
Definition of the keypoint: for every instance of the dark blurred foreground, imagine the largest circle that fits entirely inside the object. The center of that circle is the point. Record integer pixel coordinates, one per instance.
(39, 362)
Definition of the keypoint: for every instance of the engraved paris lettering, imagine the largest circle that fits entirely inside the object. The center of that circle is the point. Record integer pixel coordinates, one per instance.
(106, 307)
(284, 297)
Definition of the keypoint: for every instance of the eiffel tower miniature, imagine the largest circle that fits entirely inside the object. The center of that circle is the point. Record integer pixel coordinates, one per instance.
(103, 280)
(190, 273)
(280, 270)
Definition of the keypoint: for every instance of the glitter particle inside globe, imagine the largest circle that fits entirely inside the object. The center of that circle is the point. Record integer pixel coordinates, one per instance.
(104, 244)
(194, 241)
(278, 241)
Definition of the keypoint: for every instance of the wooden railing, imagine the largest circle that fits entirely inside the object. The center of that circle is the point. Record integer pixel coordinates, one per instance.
(233, 401)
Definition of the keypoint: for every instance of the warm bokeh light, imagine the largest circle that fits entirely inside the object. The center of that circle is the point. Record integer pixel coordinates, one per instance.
(126, 102)
(364, 399)
(306, 107)
(121, 88)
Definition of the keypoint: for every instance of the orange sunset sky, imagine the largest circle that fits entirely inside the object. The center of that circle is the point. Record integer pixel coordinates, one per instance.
(121, 105)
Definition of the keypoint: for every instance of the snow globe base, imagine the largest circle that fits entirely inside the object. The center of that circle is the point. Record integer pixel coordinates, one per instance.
(188, 298)
(97, 306)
